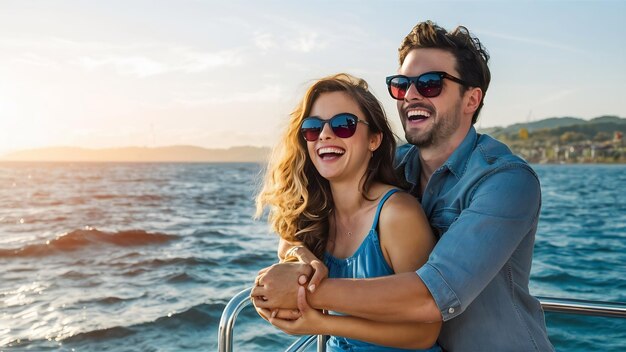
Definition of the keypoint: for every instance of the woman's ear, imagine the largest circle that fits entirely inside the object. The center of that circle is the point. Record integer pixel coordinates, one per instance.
(375, 140)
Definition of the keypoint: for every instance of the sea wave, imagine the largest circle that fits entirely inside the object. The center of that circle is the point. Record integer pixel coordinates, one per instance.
(176, 261)
(78, 239)
(102, 334)
(248, 259)
(199, 316)
(181, 277)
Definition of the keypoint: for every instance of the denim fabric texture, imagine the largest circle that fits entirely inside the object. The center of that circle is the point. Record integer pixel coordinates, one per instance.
(483, 205)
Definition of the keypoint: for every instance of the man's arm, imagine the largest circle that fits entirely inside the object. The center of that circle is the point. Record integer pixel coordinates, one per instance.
(396, 298)
(401, 335)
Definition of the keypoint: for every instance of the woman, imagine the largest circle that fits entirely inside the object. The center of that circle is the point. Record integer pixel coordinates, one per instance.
(332, 192)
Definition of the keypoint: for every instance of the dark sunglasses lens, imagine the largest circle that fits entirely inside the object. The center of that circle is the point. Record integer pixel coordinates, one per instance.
(398, 87)
(311, 129)
(343, 125)
(429, 85)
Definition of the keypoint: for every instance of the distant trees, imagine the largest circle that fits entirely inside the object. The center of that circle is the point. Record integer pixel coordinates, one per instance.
(602, 136)
(571, 136)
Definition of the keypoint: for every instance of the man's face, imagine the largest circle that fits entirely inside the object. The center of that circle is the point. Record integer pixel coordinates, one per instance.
(431, 122)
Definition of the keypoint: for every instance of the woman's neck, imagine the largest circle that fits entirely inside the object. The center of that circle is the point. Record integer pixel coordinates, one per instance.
(351, 217)
(347, 197)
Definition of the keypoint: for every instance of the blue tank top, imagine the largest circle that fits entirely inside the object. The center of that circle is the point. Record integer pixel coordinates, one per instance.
(368, 261)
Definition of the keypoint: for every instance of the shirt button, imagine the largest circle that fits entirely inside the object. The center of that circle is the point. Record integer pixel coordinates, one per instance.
(451, 310)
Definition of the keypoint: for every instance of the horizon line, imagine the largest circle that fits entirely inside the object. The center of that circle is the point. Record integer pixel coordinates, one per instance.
(7, 151)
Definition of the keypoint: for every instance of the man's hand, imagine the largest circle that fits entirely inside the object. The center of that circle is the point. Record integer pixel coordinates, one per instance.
(277, 286)
(286, 314)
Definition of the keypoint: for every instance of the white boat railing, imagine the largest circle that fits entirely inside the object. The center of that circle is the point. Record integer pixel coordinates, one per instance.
(549, 304)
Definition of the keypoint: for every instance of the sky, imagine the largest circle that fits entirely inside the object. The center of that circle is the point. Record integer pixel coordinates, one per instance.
(218, 74)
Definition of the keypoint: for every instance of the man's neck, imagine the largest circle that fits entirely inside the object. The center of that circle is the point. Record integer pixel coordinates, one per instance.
(429, 162)
(433, 157)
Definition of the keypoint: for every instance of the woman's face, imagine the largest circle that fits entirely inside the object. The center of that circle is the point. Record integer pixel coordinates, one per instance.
(341, 159)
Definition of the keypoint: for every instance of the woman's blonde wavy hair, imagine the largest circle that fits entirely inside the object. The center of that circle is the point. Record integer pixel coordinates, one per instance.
(298, 197)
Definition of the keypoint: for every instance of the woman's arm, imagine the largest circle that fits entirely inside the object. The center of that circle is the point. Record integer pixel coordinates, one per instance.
(296, 251)
(285, 248)
(399, 335)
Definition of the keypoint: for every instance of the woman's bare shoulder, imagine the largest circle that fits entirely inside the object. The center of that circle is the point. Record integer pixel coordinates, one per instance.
(402, 211)
(400, 202)
(405, 235)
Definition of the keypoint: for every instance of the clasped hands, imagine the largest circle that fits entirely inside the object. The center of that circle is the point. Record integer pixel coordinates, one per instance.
(279, 294)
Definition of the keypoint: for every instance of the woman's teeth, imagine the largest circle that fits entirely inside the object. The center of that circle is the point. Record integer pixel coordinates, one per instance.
(330, 152)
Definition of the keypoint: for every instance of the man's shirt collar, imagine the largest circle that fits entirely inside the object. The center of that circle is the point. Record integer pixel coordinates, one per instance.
(457, 162)
(408, 158)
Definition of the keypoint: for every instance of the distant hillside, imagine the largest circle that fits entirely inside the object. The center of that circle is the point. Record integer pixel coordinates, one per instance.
(141, 154)
(553, 123)
(566, 140)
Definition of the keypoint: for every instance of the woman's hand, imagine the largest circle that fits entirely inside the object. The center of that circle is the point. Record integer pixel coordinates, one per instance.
(260, 302)
(277, 286)
(304, 255)
(310, 322)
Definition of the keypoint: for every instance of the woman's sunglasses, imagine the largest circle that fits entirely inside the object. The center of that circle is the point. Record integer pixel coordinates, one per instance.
(343, 126)
(428, 84)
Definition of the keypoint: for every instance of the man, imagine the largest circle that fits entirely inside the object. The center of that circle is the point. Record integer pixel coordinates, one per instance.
(482, 202)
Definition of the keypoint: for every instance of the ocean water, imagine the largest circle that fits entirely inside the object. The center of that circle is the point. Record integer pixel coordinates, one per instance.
(144, 257)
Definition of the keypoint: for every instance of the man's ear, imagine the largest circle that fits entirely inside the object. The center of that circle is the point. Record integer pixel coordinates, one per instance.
(473, 97)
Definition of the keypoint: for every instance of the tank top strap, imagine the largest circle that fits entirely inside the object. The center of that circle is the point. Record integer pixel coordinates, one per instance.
(380, 206)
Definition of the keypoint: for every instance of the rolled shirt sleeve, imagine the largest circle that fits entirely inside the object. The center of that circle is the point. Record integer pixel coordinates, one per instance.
(502, 208)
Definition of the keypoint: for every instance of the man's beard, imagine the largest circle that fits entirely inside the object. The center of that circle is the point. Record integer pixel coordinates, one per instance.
(442, 128)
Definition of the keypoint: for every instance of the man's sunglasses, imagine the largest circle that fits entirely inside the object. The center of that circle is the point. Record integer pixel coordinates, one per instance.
(343, 126)
(428, 84)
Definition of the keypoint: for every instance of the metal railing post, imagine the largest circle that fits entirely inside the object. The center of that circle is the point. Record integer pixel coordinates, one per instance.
(229, 315)
(321, 343)
(301, 344)
(227, 324)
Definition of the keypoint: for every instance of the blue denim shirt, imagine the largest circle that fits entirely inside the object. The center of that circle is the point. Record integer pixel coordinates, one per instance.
(483, 205)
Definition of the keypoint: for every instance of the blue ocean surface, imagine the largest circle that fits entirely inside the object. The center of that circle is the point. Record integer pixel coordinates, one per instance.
(144, 257)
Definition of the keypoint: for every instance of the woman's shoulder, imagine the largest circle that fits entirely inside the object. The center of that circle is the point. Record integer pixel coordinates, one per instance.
(399, 201)
(401, 209)
(405, 235)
